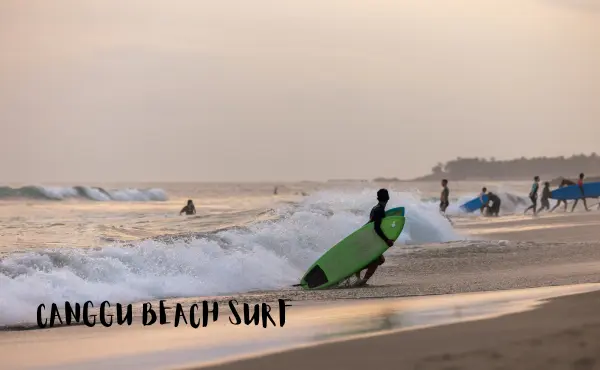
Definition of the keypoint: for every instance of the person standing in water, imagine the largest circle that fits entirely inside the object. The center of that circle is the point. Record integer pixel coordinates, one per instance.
(494, 209)
(483, 204)
(562, 184)
(545, 197)
(445, 196)
(580, 184)
(189, 208)
(377, 215)
(533, 195)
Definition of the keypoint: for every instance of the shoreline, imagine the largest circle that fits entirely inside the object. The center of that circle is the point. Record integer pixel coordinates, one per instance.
(505, 255)
(311, 326)
(491, 271)
(530, 339)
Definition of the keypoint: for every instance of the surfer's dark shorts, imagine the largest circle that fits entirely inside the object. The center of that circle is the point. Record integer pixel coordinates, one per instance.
(443, 206)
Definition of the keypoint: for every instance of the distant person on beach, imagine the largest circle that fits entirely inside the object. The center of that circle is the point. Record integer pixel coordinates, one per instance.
(533, 195)
(189, 208)
(562, 184)
(545, 197)
(580, 184)
(275, 191)
(494, 208)
(377, 215)
(445, 196)
(483, 204)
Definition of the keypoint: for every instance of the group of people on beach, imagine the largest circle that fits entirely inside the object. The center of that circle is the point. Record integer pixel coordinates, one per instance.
(546, 194)
(491, 206)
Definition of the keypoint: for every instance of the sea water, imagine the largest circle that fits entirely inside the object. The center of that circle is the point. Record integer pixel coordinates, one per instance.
(128, 243)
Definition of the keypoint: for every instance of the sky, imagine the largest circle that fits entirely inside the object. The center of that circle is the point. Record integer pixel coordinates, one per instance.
(286, 90)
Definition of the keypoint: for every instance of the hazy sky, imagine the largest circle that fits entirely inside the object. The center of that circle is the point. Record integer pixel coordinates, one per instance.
(193, 90)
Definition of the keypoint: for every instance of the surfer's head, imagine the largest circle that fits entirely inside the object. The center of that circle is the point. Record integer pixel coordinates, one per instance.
(190, 202)
(444, 182)
(383, 195)
(547, 184)
(536, 179)
(483, 190)
(581, 176)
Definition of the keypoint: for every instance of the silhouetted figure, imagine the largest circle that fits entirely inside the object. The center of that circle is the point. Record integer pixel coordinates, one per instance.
(483, 204)
(562, 184)
(545, 197)
(494, 208)
(445, 196)
(189, 208)
(533, 195)
(377, 215)
(580, 184)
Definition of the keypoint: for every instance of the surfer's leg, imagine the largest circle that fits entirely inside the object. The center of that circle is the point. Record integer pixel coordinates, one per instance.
(574, 205)
(371, 269)
(585, 205)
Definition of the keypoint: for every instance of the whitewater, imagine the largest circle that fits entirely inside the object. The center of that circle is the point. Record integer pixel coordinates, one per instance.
(235, 244)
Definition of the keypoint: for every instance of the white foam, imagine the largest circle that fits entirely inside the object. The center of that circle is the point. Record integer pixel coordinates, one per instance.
(267, 255)
(97, 194)
(57, 193)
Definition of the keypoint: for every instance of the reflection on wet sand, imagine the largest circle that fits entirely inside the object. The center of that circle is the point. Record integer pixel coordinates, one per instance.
(159, 347)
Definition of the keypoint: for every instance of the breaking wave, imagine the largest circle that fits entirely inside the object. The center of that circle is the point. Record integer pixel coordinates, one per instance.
(265, 255)
(82, 192)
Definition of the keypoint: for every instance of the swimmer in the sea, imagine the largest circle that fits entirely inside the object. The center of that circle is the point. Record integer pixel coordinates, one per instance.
(189, 208)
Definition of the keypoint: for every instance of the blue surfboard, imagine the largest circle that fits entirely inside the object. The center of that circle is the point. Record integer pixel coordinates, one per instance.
(591, 190)
(474, 204)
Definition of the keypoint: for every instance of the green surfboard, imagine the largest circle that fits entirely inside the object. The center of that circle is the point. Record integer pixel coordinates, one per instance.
(352, 254)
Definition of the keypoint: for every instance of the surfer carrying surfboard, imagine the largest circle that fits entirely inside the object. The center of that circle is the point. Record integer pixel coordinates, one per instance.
(377, 215)
(563, 183)
(580, 184)
(533, 195)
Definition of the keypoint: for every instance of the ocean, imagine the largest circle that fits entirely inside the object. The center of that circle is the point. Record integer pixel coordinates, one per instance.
(127, 242)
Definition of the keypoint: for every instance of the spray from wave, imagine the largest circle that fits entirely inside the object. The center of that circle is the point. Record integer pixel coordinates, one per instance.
(82, 192)
(266, 255)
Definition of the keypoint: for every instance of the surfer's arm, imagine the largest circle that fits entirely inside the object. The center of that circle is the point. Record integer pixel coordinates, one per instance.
(378, 230)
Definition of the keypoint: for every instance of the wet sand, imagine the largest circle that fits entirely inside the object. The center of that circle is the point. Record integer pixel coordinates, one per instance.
(562, 334)
(506, 253)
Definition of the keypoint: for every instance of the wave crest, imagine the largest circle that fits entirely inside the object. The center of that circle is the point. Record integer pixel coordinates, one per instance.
(83, 192)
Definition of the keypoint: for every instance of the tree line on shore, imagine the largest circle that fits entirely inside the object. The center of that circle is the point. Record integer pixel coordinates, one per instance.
(515, 169)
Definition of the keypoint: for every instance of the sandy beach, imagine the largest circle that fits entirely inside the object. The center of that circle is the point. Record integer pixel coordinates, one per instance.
(433, 285)
(563, 333)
